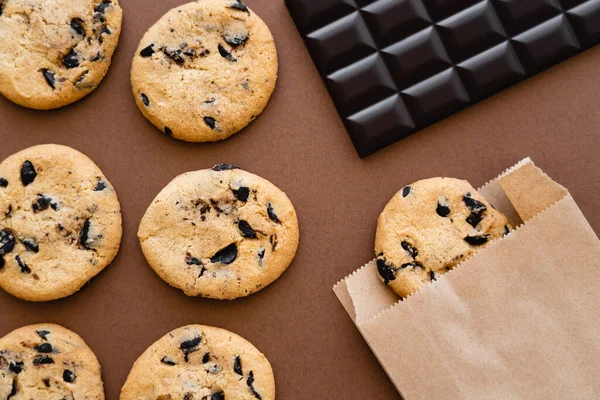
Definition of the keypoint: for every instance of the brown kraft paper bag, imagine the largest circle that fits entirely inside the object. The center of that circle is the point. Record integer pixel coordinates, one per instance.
(519, 320)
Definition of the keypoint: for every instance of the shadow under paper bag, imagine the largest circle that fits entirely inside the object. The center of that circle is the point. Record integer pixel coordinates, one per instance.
(519, 320)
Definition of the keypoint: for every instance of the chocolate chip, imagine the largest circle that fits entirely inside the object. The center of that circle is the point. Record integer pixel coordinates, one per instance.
(477, 240)
(43, 348)
(443, 208)
(77, 26)
(211, 122)
(42, 360)
(385, 271)
(105, 30)
(84, 234)
(69, 376)
(238, 5)
(506, 230)
(273, 241)
(71, 60)
(101, 8)
(168, 361)
(43, 334)
(147, 51)
(16, 367)
(28, 173)
(242, 193)
(1, 8)
(49, 77)
(168, 131)
(475, 206)
(46, 382)
(432, 276)
(261, 256)
(226, 55)
(235, 39)
(250, 382)
(272, 214)
(217, 396)
(188, 396)
(224, 167)
(7, 241)
(145, 100)
(406, 190)
(414, 264)
(97, 57)
(13, 391)
(410, 249)
(24, 268)
(3, 182)
(226, 255)
(43, 203)
(174, 55)
(189, 260)
(2, 262)
(100, 186)
(237, 365)
(206, 358)
(31, 245)
(189, 346)
(474, 219)
(247, 230)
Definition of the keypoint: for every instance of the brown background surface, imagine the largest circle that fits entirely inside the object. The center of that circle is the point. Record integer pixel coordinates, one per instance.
(300, 145)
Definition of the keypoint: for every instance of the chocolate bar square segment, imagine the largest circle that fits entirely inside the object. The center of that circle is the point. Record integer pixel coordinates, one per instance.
(568, 4)
(393, 20)
(518, 16)
(313, 14)
(546, 44)
(416, 58)
(585, 20)
(380, 125)
(436, 97)
(442, 9)
(341, 43)
(360, 85)
(471, 31)
(491, 71)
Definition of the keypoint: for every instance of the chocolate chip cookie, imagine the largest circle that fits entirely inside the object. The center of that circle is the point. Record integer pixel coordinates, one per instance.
(205, 70)
(197, 362)
(53, 52)
(48, 362)
(428, 228)
(60, 222)
(221, 233)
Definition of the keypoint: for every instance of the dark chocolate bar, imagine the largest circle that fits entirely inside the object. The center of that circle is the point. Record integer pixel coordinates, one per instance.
(394, 67)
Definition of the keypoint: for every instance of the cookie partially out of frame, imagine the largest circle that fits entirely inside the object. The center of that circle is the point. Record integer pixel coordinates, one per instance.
(199, 362)
(205, 70)
(428, 228)
(60, 222)
(53, 52)
(48, 362)
(221, 233)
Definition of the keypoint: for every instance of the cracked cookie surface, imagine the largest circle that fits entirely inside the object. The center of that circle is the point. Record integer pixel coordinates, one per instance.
(197, 362)
(428, 228)
(60, 222)
(49, 362)
(54, 52)
(221, 233)
(205, 70)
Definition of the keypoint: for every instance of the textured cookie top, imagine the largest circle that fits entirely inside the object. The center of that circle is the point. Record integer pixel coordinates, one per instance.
(205, 70)
(48, 362)
(221, 233)
(60, 222)
(428, 228)
(54, 52)
(198, 362)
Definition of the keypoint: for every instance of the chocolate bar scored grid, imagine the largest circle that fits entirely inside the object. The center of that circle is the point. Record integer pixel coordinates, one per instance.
(394, 67)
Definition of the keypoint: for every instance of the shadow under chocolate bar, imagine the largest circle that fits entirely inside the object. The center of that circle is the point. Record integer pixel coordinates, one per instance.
(394, 67)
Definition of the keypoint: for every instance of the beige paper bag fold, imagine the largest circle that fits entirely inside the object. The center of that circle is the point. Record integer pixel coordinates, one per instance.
(520, 320)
